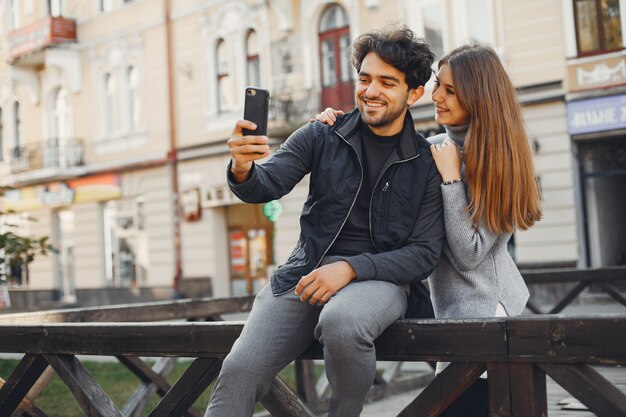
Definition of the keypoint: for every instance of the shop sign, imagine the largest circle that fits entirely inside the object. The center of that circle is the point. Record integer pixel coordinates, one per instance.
(95, 188)
(596, 114)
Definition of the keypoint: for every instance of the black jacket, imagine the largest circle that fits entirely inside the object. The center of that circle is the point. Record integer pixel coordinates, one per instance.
(406, 217)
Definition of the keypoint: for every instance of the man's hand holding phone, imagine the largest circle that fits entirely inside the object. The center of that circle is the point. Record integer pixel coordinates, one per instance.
(245, 149)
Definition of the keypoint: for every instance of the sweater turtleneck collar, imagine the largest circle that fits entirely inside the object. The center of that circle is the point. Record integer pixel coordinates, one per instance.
(457, 134)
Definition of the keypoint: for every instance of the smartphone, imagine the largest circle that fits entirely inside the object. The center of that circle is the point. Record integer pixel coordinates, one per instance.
(255, 109)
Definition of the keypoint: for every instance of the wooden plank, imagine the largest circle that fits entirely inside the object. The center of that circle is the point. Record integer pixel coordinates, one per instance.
(89, 395)
(443, 390)
(567, 339)
(528, 390)
(152, 378)
(306, 380)
(557, 339)
(569, 297)
(280, 401)
(606, 274)
(148, 388)
(443, 339)
(499, 390)
(188, 388)
(589, 387)
(613, 292)
(26, 408)
(21, 380)
(414, 340)
(137, 312)
(196, 339)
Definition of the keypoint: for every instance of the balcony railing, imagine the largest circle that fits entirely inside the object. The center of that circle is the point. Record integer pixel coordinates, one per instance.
(51, 30)
(51, 153)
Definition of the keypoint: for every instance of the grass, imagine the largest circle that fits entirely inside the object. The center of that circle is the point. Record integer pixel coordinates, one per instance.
(118, 382)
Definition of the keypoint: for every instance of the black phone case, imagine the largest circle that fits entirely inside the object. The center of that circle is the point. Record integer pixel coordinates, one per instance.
(255, 110)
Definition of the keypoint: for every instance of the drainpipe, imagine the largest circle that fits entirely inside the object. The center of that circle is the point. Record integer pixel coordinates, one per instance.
(172, 155)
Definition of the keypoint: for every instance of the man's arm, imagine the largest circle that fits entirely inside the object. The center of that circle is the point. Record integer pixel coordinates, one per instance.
(259, 183)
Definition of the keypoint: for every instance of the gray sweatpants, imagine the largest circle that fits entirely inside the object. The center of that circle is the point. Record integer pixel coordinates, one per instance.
(280, 328)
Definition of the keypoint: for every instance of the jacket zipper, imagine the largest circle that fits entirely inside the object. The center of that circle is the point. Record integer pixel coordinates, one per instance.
(385, 189)
(385, 205)
(351, 205)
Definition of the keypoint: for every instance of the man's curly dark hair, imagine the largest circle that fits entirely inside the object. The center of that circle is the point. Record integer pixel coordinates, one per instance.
(400, 48)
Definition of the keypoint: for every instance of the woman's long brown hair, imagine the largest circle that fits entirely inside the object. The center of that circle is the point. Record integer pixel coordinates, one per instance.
(499, 168)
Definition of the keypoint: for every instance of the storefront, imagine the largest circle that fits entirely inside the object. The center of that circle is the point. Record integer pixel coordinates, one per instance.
(598, 130)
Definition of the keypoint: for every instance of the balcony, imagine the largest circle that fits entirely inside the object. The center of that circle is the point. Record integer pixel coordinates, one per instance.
(24, 44)
(52, 155)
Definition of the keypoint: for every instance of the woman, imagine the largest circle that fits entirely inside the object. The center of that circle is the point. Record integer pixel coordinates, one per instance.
(489, 191)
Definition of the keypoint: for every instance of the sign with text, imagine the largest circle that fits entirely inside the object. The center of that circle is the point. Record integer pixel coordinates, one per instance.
(596, 114)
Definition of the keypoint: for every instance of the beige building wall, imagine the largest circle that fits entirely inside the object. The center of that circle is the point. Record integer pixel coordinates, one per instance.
(43, 268)
(554, 238)
(532, 40)
(88, 245)
(153, 186)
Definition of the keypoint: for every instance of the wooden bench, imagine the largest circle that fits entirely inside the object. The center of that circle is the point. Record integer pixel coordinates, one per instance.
(516, 352)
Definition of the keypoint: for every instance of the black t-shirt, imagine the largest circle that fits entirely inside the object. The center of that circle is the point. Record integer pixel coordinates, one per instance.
(354, 237)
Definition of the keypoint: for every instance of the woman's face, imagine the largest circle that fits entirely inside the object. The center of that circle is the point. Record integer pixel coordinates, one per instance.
(448, 110)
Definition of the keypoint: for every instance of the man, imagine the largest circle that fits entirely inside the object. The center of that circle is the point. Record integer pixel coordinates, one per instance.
(371, 227)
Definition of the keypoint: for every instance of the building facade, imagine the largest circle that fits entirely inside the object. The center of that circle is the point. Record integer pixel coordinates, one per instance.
(114, 116)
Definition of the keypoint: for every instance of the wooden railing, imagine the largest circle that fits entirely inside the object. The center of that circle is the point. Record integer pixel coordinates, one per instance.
(602, 279)
(517, 353)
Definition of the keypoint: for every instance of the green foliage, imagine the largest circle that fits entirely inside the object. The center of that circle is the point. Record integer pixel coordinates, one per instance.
(17, 250)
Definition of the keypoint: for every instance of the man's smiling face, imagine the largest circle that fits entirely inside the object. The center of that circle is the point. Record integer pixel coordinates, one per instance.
(383, 96)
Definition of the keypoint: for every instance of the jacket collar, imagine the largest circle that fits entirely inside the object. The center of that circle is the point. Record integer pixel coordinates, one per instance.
(349, 128)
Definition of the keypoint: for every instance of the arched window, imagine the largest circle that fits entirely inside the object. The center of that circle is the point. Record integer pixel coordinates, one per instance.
(252, 59)
(225, 88)
(108, 97)
(336, 71)
(132, 79)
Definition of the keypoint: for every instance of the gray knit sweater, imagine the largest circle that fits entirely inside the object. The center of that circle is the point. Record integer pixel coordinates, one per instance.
(475, 271)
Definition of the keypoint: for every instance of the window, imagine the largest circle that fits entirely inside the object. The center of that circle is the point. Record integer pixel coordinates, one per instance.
(108, 97)
(17, 115)
(14, 14)
(225, 86)
(55, 147)
(433, 28)
(598, 26)
(132, 79)
(59, 122)
(336, 70)
(106, 5)
(125, 246)
(252, 59)
(479, 21)
(56, 8)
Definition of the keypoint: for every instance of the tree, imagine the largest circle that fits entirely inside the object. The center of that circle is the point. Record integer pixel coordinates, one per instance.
(17, 251)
